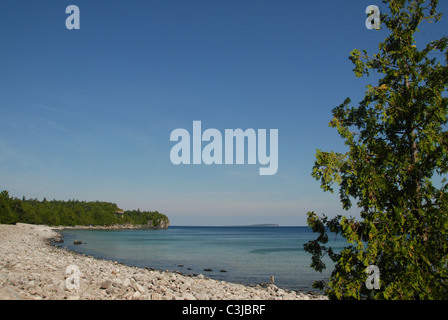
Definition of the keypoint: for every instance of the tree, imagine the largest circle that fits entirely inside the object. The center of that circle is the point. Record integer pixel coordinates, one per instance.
(71, 213)
(7, 215)
(394, 170)
(26, 212)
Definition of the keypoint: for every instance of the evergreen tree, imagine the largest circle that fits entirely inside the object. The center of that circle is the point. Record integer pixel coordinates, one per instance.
(71, 213)
(7, 216)
(394, 170)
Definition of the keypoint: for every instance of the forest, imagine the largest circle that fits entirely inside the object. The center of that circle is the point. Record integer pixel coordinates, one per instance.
(72, 213)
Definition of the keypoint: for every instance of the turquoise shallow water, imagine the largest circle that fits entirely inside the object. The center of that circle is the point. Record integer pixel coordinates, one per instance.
(249, 255)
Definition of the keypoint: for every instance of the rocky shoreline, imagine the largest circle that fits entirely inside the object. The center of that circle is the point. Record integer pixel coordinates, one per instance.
(33, 269)
(127, 226)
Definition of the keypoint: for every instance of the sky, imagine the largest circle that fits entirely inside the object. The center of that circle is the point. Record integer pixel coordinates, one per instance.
(87, 113)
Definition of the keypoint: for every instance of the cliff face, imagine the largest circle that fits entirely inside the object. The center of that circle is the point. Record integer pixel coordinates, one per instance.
(157, 224)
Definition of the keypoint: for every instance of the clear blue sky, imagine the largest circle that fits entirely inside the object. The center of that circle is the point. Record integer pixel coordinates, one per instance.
(87, 114)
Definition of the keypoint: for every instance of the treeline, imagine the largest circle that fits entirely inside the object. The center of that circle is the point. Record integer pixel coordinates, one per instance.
(72, 213)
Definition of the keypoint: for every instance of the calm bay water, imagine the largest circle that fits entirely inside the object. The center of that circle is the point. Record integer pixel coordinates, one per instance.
(249, 255)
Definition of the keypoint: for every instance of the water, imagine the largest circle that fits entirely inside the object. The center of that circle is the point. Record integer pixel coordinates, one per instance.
(249, 255)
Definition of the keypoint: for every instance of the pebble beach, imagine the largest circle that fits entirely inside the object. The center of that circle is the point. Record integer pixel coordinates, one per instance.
(31, 268)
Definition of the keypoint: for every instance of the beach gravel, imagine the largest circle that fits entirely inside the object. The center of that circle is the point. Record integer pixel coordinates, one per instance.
(33, 269)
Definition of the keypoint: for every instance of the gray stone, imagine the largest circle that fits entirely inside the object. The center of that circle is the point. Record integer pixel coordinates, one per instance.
(105, 284)
(9, 294)
(188, 296)
(155, 296)
(136, 295)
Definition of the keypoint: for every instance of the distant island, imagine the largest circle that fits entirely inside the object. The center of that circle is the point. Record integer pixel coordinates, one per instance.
(77, 213)
(261, 225)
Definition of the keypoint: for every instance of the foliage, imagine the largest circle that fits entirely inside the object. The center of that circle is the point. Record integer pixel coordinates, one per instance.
(394, 170)
(71, 213)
